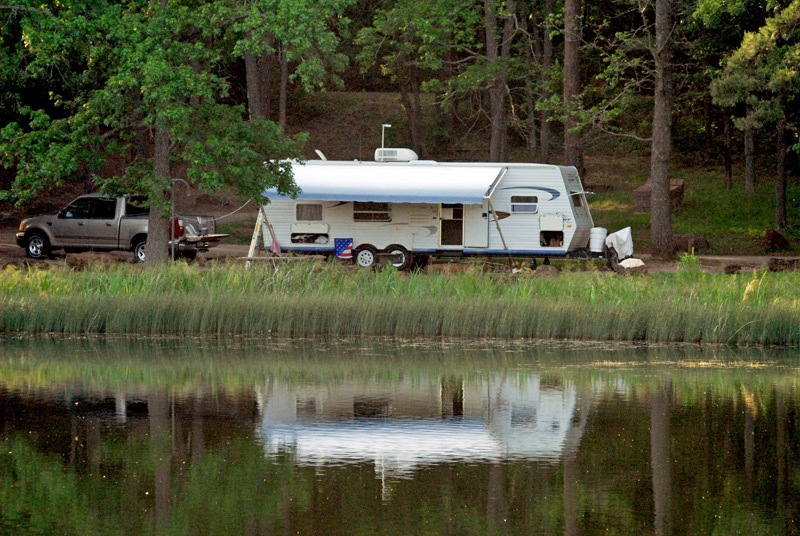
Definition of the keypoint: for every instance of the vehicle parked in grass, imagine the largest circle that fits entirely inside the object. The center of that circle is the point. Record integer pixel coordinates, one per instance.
(100, 223)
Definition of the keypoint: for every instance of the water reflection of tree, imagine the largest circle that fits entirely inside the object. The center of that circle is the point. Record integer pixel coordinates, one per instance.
(729, 442)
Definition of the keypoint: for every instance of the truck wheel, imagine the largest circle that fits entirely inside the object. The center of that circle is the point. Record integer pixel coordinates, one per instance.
(138, 249)
(401, 258)
(365, 256)
(37, 246)
(189, 254)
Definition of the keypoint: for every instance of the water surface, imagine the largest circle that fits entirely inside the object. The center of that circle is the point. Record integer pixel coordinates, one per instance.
(245, 437)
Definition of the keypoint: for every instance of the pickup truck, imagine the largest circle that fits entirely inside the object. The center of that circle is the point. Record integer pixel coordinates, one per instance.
(100, 223)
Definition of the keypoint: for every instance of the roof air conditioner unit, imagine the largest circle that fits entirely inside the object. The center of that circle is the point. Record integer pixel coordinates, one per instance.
(395, 155)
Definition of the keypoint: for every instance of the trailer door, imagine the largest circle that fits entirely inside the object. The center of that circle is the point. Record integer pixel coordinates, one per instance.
(451, 225)
(476, 226)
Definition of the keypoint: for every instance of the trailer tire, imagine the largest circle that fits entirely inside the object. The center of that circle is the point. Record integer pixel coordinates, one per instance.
(401, 254)
(365, 256)
(419, 262)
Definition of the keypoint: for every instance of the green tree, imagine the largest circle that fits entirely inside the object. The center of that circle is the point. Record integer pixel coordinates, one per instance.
(418, 44)
(763, 77)
(301, 36)
(158, 101)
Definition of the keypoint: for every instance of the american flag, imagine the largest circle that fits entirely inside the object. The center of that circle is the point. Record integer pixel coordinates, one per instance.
(344, 248)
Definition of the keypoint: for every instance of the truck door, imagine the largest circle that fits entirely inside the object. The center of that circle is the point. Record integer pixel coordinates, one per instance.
(101, 227)
(69, 228)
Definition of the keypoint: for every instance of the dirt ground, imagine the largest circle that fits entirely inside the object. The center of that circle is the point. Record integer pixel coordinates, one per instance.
(10, 253)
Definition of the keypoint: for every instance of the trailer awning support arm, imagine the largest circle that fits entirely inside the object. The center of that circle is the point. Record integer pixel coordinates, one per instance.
(496, 181)
(496, 221)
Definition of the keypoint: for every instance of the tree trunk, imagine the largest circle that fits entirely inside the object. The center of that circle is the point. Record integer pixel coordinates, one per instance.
(708, 127)
(728, 150)
(573, 149)
(265, 66)
(660, 203)
(547, 64)
(495, 53)
(158, 415)
(660, 459)
(780, 180)
(255, 101)
(533, 51)
(157, 250)
(749, 158)
(410, 99)
(496, 96)
(284, 90)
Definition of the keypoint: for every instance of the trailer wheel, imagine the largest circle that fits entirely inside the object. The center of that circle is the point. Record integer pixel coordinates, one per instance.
(365, 256)
(419, 262)
(401, 258)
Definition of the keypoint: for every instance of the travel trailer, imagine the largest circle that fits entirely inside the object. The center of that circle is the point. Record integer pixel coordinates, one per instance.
(409, 210)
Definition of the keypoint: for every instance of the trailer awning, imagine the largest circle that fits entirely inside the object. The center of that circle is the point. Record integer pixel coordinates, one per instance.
(385, 182)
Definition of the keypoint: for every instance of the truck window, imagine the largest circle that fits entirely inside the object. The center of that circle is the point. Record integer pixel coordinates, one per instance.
(104, 208)
(135, 206)
(79, 209)
(367, 211)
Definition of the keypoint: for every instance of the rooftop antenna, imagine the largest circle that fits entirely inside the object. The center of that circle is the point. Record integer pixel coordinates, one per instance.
(319, 154)
(383, 134)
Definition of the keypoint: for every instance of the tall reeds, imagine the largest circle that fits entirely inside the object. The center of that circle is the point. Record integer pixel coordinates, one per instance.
(331, 301)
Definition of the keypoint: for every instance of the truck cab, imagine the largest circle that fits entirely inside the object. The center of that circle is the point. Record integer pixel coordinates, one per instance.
(103, 223)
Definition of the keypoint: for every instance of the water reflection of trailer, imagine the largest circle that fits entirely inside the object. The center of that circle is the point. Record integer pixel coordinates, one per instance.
(408, 209)
(401, 427)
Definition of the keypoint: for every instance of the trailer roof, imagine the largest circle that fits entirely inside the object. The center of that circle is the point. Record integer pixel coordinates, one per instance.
(419, 182)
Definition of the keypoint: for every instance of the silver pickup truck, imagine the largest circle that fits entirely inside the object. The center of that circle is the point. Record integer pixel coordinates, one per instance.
(96, 222)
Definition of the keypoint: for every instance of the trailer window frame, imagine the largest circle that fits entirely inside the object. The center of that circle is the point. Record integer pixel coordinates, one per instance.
(524, 204)
(308, 212)
(372, 211)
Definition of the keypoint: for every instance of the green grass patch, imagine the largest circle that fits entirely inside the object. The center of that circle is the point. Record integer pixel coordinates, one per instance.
(733, 222)
(329, 300)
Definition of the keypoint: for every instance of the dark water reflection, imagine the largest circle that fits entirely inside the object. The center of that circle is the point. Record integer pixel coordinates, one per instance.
(156, 437)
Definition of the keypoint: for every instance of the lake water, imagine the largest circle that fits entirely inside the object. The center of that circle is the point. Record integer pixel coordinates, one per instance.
(242, 437)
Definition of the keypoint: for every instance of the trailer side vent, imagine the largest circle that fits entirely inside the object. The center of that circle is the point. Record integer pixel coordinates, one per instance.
(395, 155)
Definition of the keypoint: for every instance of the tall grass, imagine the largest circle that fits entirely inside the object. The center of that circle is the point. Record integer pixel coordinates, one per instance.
(330, 301)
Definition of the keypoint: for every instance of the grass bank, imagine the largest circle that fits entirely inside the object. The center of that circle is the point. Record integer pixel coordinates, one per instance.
(323, 300)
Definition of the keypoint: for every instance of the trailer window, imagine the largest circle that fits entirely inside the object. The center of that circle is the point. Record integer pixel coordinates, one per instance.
(577, 199)
(524, 204)
(363, 211)
(308, 212)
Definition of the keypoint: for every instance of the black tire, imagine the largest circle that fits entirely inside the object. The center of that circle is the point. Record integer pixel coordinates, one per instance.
(400, 257)
(365, 256)
(189, 254)
(37, 246)
(139, 249)
(419, 262)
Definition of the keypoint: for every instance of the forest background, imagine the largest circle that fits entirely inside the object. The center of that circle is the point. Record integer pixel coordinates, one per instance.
(129, 96)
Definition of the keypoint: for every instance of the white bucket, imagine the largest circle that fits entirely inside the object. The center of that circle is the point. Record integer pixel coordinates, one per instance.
(597, 239)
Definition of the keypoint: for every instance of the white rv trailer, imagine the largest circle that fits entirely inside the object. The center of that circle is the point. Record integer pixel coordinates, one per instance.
(417, 209)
